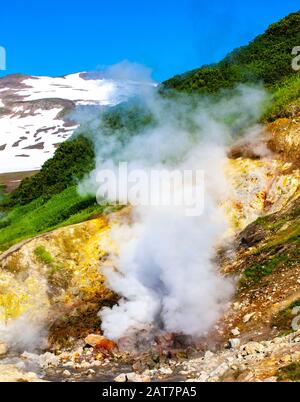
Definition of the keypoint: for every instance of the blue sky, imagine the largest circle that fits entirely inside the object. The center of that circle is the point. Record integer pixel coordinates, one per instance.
(170, 36)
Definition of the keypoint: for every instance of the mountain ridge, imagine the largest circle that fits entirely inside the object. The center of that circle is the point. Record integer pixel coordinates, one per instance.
(34, 113)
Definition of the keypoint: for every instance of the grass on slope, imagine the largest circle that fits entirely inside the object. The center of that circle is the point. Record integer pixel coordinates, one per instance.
(72, 161)
(283, 319)
(279, 249)
(49, 199)
(290, 373)
(285, 99)
(38, 217)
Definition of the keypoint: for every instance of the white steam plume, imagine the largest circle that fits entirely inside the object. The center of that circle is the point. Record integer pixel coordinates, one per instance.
(165, 273)
(23, 333)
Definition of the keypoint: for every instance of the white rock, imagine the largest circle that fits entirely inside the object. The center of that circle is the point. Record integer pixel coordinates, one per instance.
(235, 343)
(248, 317)
(213, 379)
(11, 373)
(48, 360)
(230, 360)
(121, 378)
(67, 373)
(208, 355)
(253, 347)
(270, 379)
(219, 371)
(68, 364)
(132, 377)
(165, 371)
(85, 364)
(286, 359)
(184, 372)
(235, 332)
(3, 348)
(203, 377)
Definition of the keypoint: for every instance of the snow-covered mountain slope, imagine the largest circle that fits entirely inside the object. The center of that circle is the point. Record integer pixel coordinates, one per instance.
(34, 113)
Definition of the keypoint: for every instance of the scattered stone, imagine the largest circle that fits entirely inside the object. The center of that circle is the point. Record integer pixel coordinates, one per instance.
(270, 379)
(100, 342)
(12, 373)
(286, 359)
(48, 360)
(132, 377)
(100, 356)
(203, 377)
(75, 357)
(85, 364)
(184, 372)
(253, 348)
(208, 355)
(220, 370)
(64, 357)
(235, 332)
(165, 371)
(66, 373)
(234, 343)
(248, 318)
(3, 349)
(121, 378)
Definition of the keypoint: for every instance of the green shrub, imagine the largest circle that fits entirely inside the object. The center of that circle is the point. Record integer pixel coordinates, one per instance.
(257, 272)
(285, 99)
(289, 373)
(266, 59)
(38, 217)
(72, 160)
(283, 320)
(43, 255)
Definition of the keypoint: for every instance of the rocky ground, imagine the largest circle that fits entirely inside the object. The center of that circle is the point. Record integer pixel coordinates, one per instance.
(56, 282)
(267, 361)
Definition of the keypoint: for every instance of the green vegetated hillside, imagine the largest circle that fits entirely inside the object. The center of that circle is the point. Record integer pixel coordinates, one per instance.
(72, 160)
(267, 59)
(49, 199)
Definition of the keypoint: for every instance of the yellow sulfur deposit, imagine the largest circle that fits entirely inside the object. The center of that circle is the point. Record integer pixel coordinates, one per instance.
(18, 297)
(68, 284)
(258, 187)
(69, 281)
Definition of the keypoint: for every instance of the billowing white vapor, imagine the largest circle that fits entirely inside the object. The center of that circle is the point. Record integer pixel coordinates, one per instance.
(164, 269)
